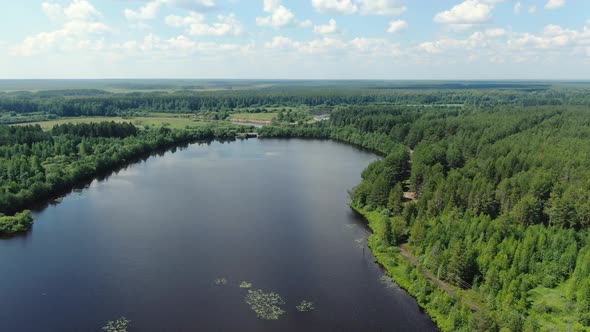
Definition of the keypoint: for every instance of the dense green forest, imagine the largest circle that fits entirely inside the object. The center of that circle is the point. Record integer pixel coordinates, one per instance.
(480, 205)
(502, 209)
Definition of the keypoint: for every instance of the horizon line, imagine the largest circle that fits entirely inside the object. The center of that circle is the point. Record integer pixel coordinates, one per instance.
(306, 79)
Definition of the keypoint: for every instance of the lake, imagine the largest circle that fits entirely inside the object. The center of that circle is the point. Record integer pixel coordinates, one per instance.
(149, 242)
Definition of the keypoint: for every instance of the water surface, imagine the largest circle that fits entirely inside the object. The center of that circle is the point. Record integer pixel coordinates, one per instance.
(148, 243)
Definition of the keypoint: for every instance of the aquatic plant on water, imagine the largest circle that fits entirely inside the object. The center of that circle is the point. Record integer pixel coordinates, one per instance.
(221, 281)
(265, 305)
(305, 306)
(245, 284)
(120, 325)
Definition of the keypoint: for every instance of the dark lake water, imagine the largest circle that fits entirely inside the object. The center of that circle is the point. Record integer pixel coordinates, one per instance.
(148, 242)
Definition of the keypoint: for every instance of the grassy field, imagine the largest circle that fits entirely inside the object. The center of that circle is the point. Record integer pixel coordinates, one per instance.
(169, 115)
(253, 116)
(171, 122)
(175, 123)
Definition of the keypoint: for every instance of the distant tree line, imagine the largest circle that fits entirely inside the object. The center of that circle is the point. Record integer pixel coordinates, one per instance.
(65, 103)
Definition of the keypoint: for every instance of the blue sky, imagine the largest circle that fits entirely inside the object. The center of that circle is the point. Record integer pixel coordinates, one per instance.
(294, 39)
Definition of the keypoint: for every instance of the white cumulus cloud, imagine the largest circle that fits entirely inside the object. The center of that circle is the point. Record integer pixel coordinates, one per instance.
(78, 22)
(397, 26)
(335, 6)
(193, 5)
(329, 46)
(77, 10)
(330, 28)
(196, 25)
(495, 32)
(501, 45)
(554, 4)
(280, 16)
(474, 41)
(151, 9)
(381, 7)
(467, 12)
(532, 9)
(146, 12)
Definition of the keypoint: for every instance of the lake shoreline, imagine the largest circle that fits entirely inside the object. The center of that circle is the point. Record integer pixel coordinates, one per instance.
(114, 224)
(380, 258)
(56, 196)
(393, 268)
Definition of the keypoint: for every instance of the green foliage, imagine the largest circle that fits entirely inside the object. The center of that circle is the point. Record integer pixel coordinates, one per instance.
(379, 192)
(22, 135)
(120, 325)
(245, 284)
(528, 210)
(305, 306)
(265, 305)
(14, 224)
(399, 230)
(290, 116)
(396, 166)
(396, 199)
(101, 129)
(386, 232)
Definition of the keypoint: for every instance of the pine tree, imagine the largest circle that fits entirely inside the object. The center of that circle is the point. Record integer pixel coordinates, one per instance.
(395, 201)
(386, 231)
(379, 193)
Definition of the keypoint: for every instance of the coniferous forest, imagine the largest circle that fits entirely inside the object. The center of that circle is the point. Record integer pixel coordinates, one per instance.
(490, 201)
(480, 204)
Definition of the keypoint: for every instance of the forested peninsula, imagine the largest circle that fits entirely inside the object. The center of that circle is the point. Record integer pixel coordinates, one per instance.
(480, 204)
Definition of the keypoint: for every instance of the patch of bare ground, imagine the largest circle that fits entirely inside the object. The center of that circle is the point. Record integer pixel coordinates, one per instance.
(410, 196)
